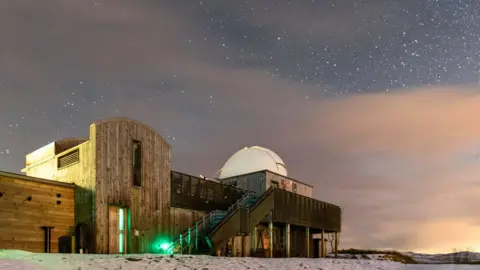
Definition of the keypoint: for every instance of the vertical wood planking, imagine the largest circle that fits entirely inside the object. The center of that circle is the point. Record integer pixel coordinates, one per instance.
(150, 204)
(182, 219)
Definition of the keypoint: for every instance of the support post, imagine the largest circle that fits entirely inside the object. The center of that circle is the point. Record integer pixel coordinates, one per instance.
(322, 245)
(73, 244)
(242, 248)
(203, 223)
(336, 244)
(270, 236)
(189, 241)
(255, 239)
(47, 239)
(307, 232)
(196, 236)
(287, 240)
(234, 246)
(181, 244)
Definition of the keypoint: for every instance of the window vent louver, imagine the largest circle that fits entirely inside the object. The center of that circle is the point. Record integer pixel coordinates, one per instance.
(68, 159)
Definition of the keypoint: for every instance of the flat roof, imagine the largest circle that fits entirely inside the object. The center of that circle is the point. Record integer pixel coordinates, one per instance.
(286, 177)
(35, 179)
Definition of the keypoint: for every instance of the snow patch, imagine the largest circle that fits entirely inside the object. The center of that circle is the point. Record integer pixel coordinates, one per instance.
(20, 260)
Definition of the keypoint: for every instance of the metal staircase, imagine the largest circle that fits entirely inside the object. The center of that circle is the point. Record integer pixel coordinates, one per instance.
(195, 240)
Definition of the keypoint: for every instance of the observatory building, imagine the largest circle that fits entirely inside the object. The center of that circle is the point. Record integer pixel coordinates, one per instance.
(115, 193)
(253, 159)
(257, 169)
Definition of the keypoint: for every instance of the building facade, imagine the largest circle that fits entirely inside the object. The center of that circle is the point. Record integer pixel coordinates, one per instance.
(128, 200)
(123, 168)
(29, 207)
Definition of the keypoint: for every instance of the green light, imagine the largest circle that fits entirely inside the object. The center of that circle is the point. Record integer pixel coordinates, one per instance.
(120, 219)
(120, 243)
(121, 226)
(165, 246)
(162, 244)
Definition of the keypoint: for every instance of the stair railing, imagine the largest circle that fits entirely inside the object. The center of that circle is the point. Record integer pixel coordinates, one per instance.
(184, 241)
(237, 204)
(263, 196)
(257, 198)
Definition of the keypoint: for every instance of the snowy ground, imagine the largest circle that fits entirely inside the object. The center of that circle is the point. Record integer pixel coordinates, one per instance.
(35, 261)
(444, 258)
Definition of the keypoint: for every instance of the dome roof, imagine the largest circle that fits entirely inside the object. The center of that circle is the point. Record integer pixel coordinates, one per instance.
(253, 159)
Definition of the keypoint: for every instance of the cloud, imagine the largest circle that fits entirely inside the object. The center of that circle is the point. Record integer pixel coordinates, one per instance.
(390, 159)
(428, 122)
(397, 163)
(394, 161)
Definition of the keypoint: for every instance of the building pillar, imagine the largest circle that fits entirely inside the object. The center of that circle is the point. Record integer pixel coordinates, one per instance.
(196, 236)
(247, 242)
(73, 243)
(307, 232)
(270, 236)
(244, 248)
(336, 244)
(254, 240)
(181, 244)
(322, 245)
(234, 246)
(189, 241)
(287, 240)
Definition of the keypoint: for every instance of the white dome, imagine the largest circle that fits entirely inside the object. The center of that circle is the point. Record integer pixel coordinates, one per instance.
(253, 159)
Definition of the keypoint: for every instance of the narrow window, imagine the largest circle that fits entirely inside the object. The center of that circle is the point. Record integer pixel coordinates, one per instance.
(137, 163)
(294, 187)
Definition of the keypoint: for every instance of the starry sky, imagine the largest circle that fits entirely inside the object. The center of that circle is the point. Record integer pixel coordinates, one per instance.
(374, 102)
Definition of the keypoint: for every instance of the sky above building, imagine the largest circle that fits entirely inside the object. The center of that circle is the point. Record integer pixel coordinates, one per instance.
(375, 103)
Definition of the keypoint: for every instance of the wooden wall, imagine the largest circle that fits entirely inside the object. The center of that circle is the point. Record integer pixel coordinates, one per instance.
(261, 181)
(182, 219)
(26, 204)
(298, 242)
(81, 173)
(302, 188)
(255, 182)
(307, 212)
(150, 204)
(194, 193)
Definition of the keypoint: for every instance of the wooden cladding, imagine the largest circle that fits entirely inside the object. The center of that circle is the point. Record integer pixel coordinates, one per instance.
(137, 163)
(27, 205)
(68, 159)
(303, 211)
(202, 195)
(148, 206)
(236, 223)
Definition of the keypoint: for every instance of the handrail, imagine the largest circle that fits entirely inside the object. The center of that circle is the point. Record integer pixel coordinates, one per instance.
(259, 200)
(264, 195)
(229, 211)
(229, 214)
(185, 234)
(235, 205)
